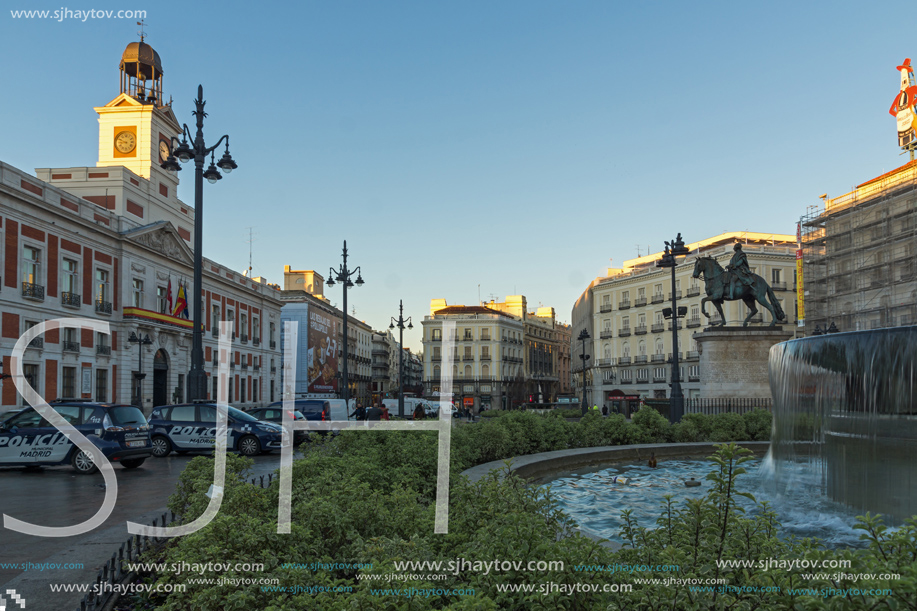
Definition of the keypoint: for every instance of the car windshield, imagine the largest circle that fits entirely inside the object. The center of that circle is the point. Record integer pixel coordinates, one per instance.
(126, 414)
(241, 416)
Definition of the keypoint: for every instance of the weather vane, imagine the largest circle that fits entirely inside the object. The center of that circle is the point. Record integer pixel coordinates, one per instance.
(141, 32)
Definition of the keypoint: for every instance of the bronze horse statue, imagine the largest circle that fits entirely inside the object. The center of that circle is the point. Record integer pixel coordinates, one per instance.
(717, 286)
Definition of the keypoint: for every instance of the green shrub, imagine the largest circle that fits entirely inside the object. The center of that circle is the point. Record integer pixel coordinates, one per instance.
(728, 427)
(758, 424)
(652, 426)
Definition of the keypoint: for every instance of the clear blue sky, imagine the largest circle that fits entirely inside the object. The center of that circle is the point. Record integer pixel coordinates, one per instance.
(518, 145)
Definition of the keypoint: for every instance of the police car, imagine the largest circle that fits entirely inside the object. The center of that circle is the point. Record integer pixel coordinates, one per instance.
(192, 426)
(120, 432)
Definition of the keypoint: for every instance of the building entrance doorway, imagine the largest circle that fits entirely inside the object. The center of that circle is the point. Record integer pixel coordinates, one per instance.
(161, 378)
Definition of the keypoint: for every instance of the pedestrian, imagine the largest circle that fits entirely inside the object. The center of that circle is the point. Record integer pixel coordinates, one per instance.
(374, 413)
(605, 410)
(419, 412)
(470, 413)
(385, 414)
(359, 413)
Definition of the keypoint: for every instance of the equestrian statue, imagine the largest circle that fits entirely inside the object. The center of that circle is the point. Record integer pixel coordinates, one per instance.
(734, 283)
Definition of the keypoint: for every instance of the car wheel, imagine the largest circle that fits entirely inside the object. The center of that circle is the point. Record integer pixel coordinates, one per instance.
(132, 463)
(161, 446)
(82, 462)
(249, 445)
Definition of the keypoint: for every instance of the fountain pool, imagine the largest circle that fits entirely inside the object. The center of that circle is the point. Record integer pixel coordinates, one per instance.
(595, 500)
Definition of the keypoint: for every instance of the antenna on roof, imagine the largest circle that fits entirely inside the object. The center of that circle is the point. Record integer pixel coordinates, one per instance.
(250, 240)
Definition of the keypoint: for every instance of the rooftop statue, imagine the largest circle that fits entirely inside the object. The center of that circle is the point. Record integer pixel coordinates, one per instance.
(734, 283)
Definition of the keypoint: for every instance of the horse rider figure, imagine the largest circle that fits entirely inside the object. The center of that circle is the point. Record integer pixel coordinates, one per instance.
(739, 271)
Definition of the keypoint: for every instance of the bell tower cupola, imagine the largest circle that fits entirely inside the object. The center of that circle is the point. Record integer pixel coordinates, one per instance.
(136, 128)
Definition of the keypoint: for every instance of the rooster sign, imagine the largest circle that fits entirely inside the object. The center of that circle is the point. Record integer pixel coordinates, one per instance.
(903, 108)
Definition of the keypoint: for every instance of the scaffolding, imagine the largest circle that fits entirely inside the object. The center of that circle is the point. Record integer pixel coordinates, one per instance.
(858, 252)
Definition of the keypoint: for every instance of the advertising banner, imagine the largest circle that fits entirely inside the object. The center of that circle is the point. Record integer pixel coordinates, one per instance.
(323, 352)
(800, 297)
(903, 108)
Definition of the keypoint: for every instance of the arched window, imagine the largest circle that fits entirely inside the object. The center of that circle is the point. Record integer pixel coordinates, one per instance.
(467, 372)
(660, 349)
(485, 371)
(436, 372)
(642, 348)
(626, 350)
(607, 351)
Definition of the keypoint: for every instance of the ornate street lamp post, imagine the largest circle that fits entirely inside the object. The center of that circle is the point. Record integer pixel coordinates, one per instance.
(583, 336)
(670, 259)
(141, 342)
(342, 275)
(197, 150)
(400, 322)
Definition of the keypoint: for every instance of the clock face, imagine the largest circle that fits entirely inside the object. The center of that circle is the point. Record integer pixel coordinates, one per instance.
(125, 142)
(163, 150)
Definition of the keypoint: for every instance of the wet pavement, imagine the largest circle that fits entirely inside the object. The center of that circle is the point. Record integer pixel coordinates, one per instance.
(59, 496)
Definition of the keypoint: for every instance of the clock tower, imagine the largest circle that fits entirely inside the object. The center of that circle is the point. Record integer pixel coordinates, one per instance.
(135, 129)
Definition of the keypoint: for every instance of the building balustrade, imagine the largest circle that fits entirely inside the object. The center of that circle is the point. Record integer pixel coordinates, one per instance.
(606, 334)
(694, 321)
(70, 346)
(658, 297)
(34, 291)
(692, 355)
(677, 295)
(658, 327)
(778, 286)
(71, 300)
(103, 350)
(623, 305)
(640, 358)
(639, 301)
(624, 360)
(624, 332)
(658, 358)
(693, 291)
(605, 308)
(640, 330)
(103, 307)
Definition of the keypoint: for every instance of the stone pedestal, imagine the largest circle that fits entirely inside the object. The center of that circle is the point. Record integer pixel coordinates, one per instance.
(733, 360)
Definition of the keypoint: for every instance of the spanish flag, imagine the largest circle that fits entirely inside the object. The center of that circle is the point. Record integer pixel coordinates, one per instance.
(181, 304)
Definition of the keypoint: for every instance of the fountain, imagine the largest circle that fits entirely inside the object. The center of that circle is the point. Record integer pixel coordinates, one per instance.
(846, 404)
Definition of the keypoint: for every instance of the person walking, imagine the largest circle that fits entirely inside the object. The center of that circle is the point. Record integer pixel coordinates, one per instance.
(385, 414)
(419, 412)
(359, 413)
(374, 413)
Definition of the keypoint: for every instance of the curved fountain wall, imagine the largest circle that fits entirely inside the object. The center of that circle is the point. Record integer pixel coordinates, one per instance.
(847, 403)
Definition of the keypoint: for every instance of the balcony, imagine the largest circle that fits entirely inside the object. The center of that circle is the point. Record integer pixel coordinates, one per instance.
(694, 321)
(640, 330)
(779, 286)
(694, 378)
(623, 305)
(640, 358)
(71, 300)
(256, 367)
(606, 334)
(639, 301)
(70, 346)
(485, 338)
(467, 338)
(658, 297)
(624, 360)
(671, 324)
(468, 357)
(677, 295)
(658, 358)
(693, 291)
(215, 332)
(658, 327)
(692, 355)
(216, 361)
(273, 344)
(244, 339)
(604, 308)
(232, 365)
(609, 381)
(604, 362)
(273, 370)
(244, 366)
(624, 332)
(103, 307)
(256, 341)
(643, 379)
(436, 359)
(33, 291)
(626, 381)
(485, 357)
(38, 342)
(659, 379)
(670, 357)
(103, 350)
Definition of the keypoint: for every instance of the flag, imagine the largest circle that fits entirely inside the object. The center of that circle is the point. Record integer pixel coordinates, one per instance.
(169, 297)
(181, 305)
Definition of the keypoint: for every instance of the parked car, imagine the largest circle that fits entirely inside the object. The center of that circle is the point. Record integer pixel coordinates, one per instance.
(275, 415)
(192, 426)
(120, 432)
(318, 409)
